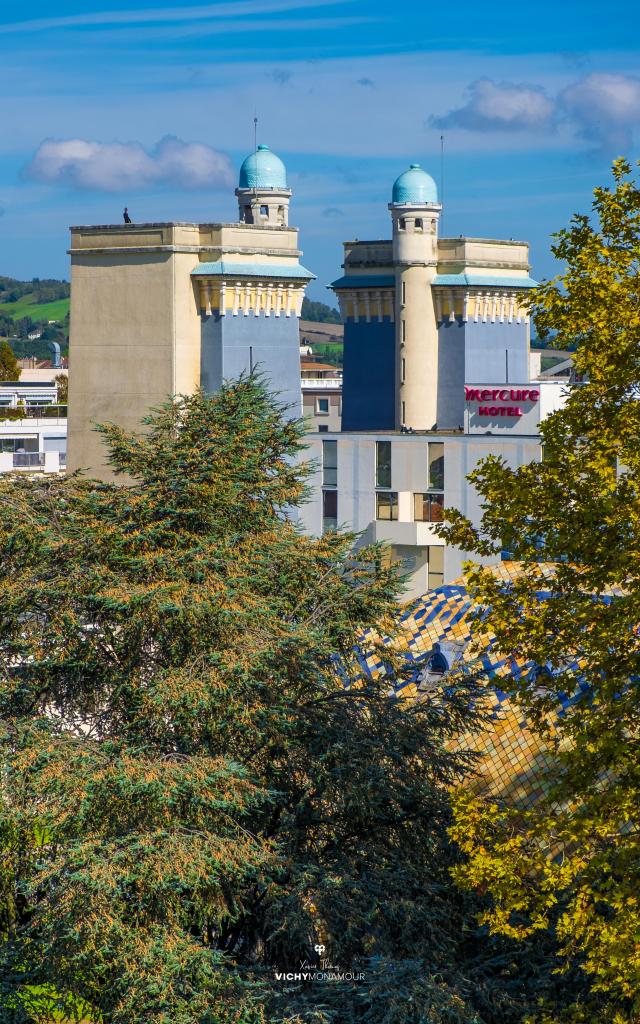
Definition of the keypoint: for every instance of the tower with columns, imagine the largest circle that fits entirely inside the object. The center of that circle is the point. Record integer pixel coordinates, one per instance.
(425, 315)
(415, 212)
(159, 309)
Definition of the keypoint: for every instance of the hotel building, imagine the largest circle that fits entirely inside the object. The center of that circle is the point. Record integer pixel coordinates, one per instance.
(436, 377)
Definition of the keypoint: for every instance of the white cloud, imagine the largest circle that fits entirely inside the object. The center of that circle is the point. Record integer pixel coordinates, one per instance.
(127, 166)
(605, 109)
(499, 107)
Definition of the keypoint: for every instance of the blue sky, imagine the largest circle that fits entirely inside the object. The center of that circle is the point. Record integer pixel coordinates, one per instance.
(107, 102)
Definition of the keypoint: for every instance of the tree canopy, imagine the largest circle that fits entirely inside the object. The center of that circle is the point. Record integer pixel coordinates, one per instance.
(573, 863)
(194, 798)
(9, 369)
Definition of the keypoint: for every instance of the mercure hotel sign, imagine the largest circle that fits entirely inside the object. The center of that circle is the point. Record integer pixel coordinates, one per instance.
(502, 401)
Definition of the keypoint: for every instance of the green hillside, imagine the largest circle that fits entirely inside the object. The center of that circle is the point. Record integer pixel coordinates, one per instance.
(27, 305)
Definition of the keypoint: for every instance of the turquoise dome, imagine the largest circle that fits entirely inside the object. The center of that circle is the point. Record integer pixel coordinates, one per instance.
(414, 186)
(263, 169)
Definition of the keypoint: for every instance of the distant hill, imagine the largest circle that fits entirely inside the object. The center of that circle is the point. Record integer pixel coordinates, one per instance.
(29, 306)
(319, 312)
(38, 300)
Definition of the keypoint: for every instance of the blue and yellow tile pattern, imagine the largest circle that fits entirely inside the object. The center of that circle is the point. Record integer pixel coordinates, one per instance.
(515, 761)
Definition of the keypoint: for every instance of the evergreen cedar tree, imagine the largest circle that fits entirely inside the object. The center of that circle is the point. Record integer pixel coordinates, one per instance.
(191, 797)
(579, 508)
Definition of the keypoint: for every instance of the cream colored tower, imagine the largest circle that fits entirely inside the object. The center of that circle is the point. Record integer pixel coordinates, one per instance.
(160, 309)
(415, 212)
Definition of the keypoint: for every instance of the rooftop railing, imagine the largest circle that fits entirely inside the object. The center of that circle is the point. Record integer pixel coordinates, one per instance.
(33, 412)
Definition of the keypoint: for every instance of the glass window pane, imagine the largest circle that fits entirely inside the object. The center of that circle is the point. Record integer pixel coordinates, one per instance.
(329, 510)
(387, 505)
(383, 463)
(436, 505)
(436, 466)
(330, 463)
(428, 508)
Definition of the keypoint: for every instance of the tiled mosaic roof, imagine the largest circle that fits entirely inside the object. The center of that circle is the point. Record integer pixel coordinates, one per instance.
(515, 761)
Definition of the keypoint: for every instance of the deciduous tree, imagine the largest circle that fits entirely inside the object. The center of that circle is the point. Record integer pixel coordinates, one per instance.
(9, 369)
(573, 863)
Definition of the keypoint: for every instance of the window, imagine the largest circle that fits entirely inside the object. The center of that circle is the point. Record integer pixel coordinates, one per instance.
(18, 444)
(323, 428)
(402, 224)
(322, 406)
(387, 505)
(404, 370)
(418, 224)
(383, 463)
(435, 476)
(404, 418)
(404, 292)
(404, 330)
(427, 508)
(329, 510)
(436, 567)
(329, 463)
(264, 211)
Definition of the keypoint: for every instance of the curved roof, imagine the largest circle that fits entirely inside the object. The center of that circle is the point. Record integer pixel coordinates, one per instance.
(515, 758)
(414, 186)
(263, 169)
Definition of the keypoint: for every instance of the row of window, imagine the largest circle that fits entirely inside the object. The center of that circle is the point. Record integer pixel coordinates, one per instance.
(427, 508)
(418, 224)
(427, 505)
(19, 444)
(435, 465)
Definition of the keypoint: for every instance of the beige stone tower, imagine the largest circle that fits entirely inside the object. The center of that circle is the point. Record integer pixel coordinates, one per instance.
(415, 213)
(160, 309)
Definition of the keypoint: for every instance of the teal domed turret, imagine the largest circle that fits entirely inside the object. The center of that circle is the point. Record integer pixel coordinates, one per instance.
(263, 193)
(263, 169)
(415, 186)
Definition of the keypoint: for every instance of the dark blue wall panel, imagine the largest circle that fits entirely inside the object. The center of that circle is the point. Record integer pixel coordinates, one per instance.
(368, 390)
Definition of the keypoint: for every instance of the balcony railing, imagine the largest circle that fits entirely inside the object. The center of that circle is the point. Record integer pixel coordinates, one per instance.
(33, 412)
(28, 460)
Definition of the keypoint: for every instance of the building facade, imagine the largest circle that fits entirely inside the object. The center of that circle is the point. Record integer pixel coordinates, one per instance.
(436, 377)
(164, 308)
(33, 425)
(423, 314)
(321, 385)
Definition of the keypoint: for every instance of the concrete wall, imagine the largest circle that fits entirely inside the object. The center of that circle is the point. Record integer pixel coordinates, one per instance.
(232, 345)
(496, 353)
(462, 455)
(451, 357)
(135, 340)
(369, 377)
(356, 490)
(314, 418)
